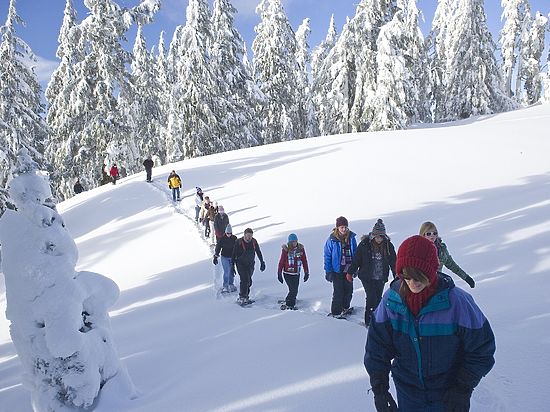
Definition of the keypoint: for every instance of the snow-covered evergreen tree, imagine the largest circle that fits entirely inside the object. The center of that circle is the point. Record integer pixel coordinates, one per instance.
(59, 321)
(21, 122)
(276, 73)
(532, 47)
(235, 109)
(165, 84)
(303, 58)
(510, 35)
(320, 52)
(473, 83)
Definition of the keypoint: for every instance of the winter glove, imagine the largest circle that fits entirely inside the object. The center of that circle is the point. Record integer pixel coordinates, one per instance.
(349, 278)
(457, 399)
(306, 277)
(262, 266)
(280, 277)
(328, 276)
(215, 260)
(470, 282)
(383, 401)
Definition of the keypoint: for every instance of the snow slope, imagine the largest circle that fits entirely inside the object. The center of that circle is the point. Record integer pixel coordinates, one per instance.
(485, 182)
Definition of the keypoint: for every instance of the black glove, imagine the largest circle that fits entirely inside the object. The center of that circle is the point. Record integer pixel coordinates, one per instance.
(306, 277)
(328, 276)
(457, 399)
(470, 282)
(384, 402)
(262, 266)
(215, 260)
(280, 277)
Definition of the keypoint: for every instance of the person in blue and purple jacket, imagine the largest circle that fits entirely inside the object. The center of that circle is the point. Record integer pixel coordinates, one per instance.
(429, 334)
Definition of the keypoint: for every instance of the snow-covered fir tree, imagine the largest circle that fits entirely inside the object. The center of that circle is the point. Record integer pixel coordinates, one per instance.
(165, 84)
(513, 14)
(532, 47)
(21, 111)
(403, 76)
(545, 77)
(473, 83)
(144, 110)
(60, 326)
(276, 73)
(319, 53)
(303, 58)
(235, 108)
(96, 131)
(193, 129)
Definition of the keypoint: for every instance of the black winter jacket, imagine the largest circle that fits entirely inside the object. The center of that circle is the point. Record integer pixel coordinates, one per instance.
(244, 252)
(362, 260)
(225, 245)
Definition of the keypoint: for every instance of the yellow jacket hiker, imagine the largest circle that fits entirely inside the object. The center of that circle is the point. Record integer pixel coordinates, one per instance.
(174, 183)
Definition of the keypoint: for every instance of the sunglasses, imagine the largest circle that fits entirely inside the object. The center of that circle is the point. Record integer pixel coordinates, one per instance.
(430, 234)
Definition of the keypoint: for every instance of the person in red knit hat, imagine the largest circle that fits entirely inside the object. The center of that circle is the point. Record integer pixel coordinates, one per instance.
(429, 334)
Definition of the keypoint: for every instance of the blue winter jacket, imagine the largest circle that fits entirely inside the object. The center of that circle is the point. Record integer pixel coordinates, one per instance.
(333, 252)
(449, 343)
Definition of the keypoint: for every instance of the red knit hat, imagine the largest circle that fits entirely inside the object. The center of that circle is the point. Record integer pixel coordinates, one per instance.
(341, 221)
(418, 252)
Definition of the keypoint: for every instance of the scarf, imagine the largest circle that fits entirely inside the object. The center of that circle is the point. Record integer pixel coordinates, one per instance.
(416, 301)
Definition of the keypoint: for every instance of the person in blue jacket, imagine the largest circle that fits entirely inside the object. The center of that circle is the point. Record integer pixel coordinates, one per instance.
(339, 250)
(430, 335)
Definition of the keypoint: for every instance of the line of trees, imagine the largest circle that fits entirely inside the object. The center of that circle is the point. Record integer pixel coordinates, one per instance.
(202, 94)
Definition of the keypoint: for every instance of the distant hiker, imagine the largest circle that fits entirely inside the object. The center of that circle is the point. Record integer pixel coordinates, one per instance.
(209, 221)
(244, 253)
(293, 257)
(374, 258)
(78, 188)
(204, 208)
(429, 334)
(174, 183)
(221, 220)
(114, 173)
(148, 163)
(225, 247)
(199, 198)
(338, 254)
(429, 231)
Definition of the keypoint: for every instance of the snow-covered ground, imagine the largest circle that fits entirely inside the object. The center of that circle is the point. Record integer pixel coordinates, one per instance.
(485, 182)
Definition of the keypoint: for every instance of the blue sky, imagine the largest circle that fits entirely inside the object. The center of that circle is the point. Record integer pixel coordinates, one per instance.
(43, 19)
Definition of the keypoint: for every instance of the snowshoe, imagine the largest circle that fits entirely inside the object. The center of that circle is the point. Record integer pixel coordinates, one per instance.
(244, 301)
(347, 311)
(284, 306)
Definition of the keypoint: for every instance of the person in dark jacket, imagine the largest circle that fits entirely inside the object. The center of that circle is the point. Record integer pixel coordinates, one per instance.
(244, 254)
(429, 231)
(114, 173)
(148, 164)
(221, 220)
(429, 334)
(78, 188)
(225, 247)
(293, 258)
(338, 254)
(374, 258)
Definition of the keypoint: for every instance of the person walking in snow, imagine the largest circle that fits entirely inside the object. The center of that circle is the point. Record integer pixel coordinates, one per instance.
(429, 334)
(338, 254)
(373, 260)
(78, 188)
(221, 220)
(293, 258)
(174, 183)
(429, 231)
(114, 173)
(224, 251)
(199, 198)
(208, 220)
(244, 255)
(148, 164)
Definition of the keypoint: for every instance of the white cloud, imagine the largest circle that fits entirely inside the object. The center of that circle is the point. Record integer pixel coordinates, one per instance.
(43, 68)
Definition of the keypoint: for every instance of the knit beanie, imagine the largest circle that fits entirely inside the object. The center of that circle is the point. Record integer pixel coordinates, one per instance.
(418, 252)
(341, 221)
(221, 209)
(379, 228)
(292, 238)
(228, 229)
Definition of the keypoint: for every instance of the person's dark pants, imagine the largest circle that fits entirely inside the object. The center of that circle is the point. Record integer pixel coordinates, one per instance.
(149, 173)
(412, 399)
(206, 223)
(373, 290)
(175, 193)
(197, 212)
(292, 281)
(113, 178)
(245, 273)
(342, 291)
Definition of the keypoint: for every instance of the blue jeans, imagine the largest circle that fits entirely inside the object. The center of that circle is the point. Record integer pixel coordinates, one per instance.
(412, 399)
(228, 273)
(197, 212)
(175, 193)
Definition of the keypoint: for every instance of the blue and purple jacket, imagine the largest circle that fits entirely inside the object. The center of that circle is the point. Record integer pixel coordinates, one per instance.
(448, 343)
